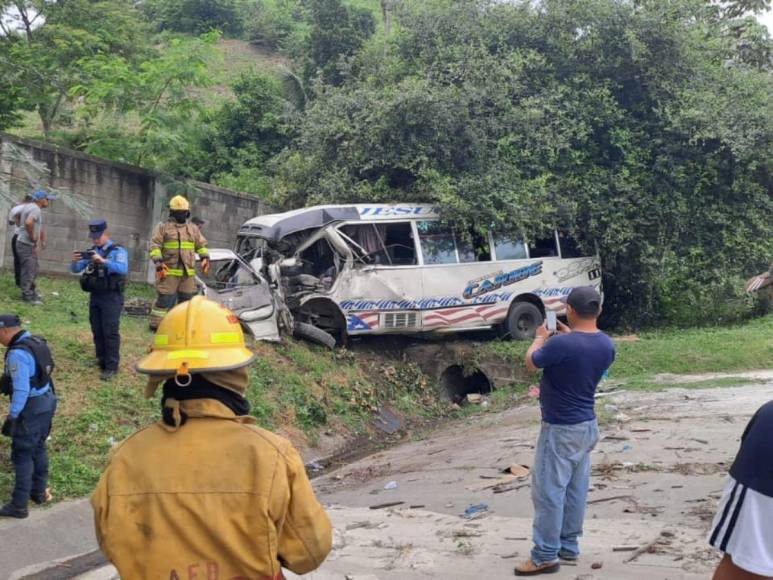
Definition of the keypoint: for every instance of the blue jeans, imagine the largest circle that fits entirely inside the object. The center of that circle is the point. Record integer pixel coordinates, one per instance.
(559, 488)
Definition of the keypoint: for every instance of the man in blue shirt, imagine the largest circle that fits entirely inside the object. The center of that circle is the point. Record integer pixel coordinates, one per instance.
(104, 270)
(27, 379)
(573, 362)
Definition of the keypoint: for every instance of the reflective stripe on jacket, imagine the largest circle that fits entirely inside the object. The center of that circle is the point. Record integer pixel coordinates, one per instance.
(177, 245)
(218, 495)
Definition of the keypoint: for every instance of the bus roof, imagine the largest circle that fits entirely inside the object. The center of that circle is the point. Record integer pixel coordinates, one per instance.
(278, 225)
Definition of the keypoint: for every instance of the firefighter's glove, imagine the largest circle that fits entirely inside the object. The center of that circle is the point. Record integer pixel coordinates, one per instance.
(205, 265)
(8, 426)
(161, 270)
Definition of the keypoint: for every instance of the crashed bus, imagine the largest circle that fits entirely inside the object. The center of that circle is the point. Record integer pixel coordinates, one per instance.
(348, 270)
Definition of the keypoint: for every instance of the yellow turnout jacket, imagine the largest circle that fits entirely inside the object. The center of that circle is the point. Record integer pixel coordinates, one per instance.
(177, 245)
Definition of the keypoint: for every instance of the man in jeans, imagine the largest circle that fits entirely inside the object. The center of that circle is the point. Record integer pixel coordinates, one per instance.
(14, 219)
(29, 243)
(573, 362)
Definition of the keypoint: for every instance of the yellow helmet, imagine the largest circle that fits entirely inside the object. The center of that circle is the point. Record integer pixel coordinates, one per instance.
(179, 203)
(197, 336)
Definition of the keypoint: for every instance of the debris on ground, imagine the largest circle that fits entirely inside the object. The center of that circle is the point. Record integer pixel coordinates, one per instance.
(386, 505)
(474, 398)
(597, 565)
(391, 485)
(517, 470)
(475, 511)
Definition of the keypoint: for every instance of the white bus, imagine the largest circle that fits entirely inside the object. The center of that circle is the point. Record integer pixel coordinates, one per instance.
(376, 269)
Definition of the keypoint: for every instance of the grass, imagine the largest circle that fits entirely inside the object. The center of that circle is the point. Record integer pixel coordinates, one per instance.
(736, 348)
(295, 388)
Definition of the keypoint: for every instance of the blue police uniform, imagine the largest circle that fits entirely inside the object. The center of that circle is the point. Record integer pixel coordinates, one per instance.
(28, 422)
(105, 285)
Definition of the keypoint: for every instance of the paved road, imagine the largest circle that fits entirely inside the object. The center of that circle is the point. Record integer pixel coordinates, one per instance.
(666, 454)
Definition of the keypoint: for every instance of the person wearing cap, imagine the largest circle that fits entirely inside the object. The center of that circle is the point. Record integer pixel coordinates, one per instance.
(173, 249)
(30, 241)
(27, 380)
(14, 219)
(205, 492)
(573, 362)
(104, 268)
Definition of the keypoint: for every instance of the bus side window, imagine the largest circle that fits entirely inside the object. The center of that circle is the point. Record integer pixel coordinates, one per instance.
(544, 248)
(507, 248)
(474, 248)
(437, 243)
(569, 247)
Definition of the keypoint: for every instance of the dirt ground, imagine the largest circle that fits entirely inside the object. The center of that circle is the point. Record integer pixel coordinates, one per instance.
(657, 474)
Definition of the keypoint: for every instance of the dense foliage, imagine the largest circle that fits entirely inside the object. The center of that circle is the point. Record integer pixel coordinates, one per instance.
(642, 128)
(645, 128)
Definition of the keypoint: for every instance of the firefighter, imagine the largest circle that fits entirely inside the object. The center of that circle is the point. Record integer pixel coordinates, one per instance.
(27, 379)
(173, 249)
(205, 492)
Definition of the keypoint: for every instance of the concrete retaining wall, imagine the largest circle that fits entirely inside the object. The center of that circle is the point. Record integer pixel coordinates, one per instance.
(131, 199)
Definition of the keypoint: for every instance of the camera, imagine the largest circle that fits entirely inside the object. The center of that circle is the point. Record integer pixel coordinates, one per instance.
(87, 254)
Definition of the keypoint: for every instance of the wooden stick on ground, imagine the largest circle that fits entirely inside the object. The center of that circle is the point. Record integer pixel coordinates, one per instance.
(645, 548)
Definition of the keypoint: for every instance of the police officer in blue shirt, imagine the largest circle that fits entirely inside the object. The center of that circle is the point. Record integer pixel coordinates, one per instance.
(27, 379)
(104, 268)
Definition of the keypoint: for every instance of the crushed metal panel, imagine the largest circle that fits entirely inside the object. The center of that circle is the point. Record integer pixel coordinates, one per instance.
(298, 221)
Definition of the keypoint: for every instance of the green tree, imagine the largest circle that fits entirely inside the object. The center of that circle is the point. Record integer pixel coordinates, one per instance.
(147, 113)
(248, 132)
(195, 16)
(641, 127)
(337, 32)
(43, 43)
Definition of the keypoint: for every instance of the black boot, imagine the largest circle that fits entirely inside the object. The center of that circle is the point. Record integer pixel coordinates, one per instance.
(42, 498)
(11, 511)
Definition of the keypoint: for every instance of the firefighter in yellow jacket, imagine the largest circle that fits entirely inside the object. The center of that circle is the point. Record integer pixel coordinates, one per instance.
(205, 493)
(173, 249)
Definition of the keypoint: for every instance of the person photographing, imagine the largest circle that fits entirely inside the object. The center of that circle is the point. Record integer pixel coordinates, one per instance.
(573, 361)
(104, 268)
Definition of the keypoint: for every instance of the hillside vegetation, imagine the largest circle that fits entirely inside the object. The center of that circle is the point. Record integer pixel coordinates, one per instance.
(645, 129)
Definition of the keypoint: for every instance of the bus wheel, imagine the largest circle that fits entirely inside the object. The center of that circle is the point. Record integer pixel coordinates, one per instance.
(523, 320)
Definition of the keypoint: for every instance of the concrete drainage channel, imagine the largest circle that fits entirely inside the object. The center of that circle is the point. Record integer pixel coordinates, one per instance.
(458, 381)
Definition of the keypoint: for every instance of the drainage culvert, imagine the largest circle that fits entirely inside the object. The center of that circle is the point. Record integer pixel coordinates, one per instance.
(458, 381)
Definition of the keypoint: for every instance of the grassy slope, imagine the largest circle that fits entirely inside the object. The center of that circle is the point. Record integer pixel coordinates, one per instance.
(234, 57)
(298, 389)
(704, 350)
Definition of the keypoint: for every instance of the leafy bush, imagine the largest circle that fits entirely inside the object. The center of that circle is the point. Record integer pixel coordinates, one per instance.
(195, 16)
(643, 129)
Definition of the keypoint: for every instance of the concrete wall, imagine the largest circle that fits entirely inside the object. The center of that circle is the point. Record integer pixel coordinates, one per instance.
(131, 199)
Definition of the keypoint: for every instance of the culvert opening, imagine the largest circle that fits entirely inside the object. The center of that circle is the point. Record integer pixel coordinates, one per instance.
(458, 382)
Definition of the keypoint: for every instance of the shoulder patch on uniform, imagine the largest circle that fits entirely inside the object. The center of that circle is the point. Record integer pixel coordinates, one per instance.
(120, 257)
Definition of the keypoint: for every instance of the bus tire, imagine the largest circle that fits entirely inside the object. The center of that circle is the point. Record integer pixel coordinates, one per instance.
(523, 320)
(314, 334)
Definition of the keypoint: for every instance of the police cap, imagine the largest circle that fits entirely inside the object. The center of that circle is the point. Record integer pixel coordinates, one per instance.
(9, 321)
(97, 228)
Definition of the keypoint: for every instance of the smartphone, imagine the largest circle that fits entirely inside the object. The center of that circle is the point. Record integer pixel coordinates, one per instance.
(552, 324)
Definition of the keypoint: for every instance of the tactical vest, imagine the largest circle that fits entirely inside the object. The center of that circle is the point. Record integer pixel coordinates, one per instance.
(44, 363)
(97, 279)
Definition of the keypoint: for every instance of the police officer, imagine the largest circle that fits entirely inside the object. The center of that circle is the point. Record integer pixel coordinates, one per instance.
(105, 267)
(173, 249)
(27, 379)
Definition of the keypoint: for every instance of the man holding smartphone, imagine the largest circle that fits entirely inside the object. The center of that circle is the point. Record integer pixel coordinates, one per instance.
(573, 361)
